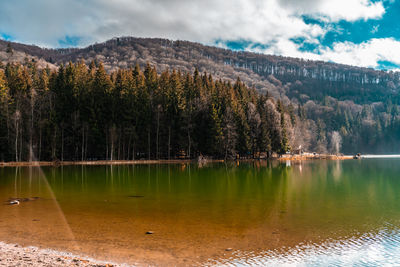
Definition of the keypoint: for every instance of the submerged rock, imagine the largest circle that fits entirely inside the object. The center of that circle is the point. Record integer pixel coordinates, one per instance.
(13, 202)
(17, 201)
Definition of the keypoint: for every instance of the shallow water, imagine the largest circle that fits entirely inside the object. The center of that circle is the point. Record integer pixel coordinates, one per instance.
(261, 213)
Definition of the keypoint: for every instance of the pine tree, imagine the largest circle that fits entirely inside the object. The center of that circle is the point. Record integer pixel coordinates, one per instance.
(284, 139)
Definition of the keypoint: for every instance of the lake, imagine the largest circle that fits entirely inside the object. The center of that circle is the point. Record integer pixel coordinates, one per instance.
(253, 213)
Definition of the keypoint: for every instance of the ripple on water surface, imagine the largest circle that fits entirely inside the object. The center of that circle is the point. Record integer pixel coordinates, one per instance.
(373, 249)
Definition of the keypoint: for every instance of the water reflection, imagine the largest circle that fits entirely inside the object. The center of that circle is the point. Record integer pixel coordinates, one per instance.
(263, 210)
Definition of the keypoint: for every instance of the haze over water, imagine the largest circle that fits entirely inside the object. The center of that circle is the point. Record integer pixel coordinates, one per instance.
(317, 212)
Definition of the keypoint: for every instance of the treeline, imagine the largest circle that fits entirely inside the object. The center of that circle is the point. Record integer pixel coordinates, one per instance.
(81, 112)
(369, 128)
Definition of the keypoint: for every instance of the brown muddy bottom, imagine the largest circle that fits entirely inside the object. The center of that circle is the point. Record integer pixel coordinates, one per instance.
(251, 214)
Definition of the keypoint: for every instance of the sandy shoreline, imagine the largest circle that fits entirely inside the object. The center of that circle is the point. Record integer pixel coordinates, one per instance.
(315, 157)
(176, 161)
(94, 162)
(15, 255)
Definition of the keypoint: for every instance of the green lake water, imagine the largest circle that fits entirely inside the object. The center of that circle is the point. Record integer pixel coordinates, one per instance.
(256, 213)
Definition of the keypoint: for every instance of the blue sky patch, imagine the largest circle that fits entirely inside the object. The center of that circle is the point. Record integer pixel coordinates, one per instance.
(387, 65)
(69, 41)
(5, 36)
(237, 45)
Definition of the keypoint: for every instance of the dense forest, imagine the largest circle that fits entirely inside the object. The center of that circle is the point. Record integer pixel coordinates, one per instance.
(317, 105)
(83, 113)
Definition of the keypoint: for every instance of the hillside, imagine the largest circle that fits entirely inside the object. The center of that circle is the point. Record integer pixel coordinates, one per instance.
(360, 103)
(254, 69)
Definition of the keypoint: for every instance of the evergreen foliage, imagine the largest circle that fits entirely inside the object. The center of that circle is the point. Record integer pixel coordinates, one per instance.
(85, 113)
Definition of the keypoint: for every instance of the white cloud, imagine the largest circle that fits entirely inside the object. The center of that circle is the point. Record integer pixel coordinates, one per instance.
(272, 22)
(352, 10)
(366, 54)
(335, 10)
(46, 21)
(375, 29)
(204, 21)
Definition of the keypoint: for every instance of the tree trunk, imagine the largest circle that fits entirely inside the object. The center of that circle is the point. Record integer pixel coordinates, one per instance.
(129, 147)
(189, 143)
(148, 140)
(123, 144)
(20, 146)
(106, 145)
(16, 140)
(119, 145)
(158, 130)
(112, 150)
(169, 142)
(62, 143)
(8, 124)
(40, 143)
(226, 151)
(83, 143)
(40, 135)
(30, 159)
(53, 152)
(86, 143)
(112, 144)
(31, 135)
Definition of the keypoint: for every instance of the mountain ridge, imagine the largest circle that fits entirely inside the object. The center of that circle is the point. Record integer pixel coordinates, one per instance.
(68, 50)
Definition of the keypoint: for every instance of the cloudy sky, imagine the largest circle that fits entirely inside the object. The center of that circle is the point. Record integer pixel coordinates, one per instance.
(357, 32)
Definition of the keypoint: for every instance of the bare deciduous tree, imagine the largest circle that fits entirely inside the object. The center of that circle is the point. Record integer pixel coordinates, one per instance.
(336, 142)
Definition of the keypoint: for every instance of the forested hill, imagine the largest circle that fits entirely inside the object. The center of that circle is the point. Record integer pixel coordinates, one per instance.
(185, 56)
(360, 104)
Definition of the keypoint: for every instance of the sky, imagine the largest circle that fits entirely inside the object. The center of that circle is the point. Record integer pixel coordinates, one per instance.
(357, 32)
